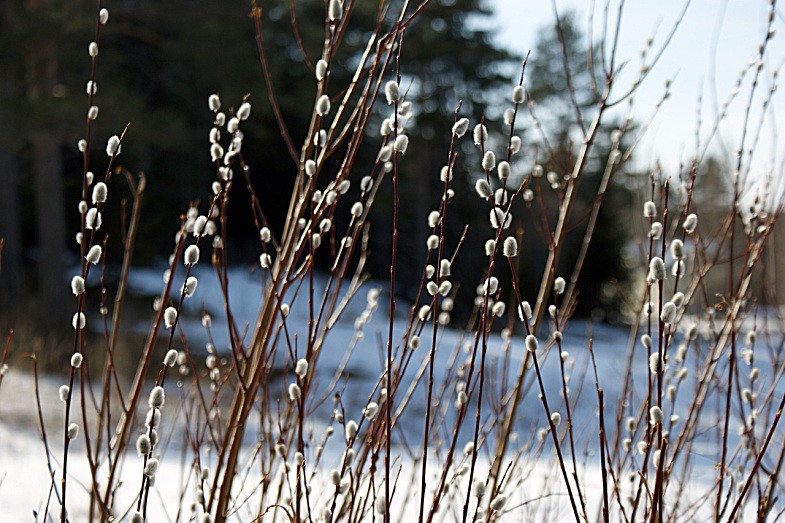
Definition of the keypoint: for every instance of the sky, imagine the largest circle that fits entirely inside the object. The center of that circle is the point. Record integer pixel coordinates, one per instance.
(688, 59)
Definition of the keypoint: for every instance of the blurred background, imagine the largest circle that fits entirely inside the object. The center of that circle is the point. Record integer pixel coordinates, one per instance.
(160, 60)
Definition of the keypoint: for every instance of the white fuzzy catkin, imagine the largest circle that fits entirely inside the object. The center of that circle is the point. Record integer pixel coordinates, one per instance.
(504, 170)
(490, 247)
(392, 91)
(191, 256)
(156, 398)
(677, 249)
(460, 127)
(445, 268)
(265, 261)
(79, 321)
(483, 188)
(77, 285)
(432, 242)
(92, 112)
(301, 368)
(63, 393)
(654, 362)
(515, 144)
(380, 504)
(214, 102)
(656, 231)
(499, 218)
(265, 235)
(103, 16)
(323, 105)
(113, 145)
(531, 343)
(216, 152)
(92, 88)
(649, 209)
(478, 488)
(92, 49)
(555, 419)
(386, 127)
(510, 248)
(655, 415)
(385, 153)
(424, 312)
(558, 285)
(294, 392)
(488, 160)
(498, 502)
(401, 144)
(151, 468)
(524, 311)
(357, 209)
(189, 287)
(668, 312)
(143, 445)
(171, 358)
(335, 10)
(170, 317)
(92, 219)
(320, 70)
(498, 309)
(480, 134)
(244, 111)
(76, 360)
(491, 285)
(657, 268)
(690, 223)
(678, 299)
(199, 225)
(351, 429)
(73, 431)
(371, 410)
(100, 193)
(433, 219)
(500, 197)
(517, 94)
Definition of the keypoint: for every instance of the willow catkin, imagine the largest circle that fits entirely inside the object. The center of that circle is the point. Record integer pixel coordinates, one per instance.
(392, 91)
(460, 127)
(113, 146)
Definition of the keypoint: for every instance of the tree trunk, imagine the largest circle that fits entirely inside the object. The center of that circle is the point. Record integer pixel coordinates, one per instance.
(48, 168)
(10, 232)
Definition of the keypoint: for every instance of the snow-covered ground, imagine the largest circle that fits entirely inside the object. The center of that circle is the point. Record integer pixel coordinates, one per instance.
(24, 477)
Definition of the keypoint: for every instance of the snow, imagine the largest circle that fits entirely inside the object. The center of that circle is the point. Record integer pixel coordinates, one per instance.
(24, 478)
